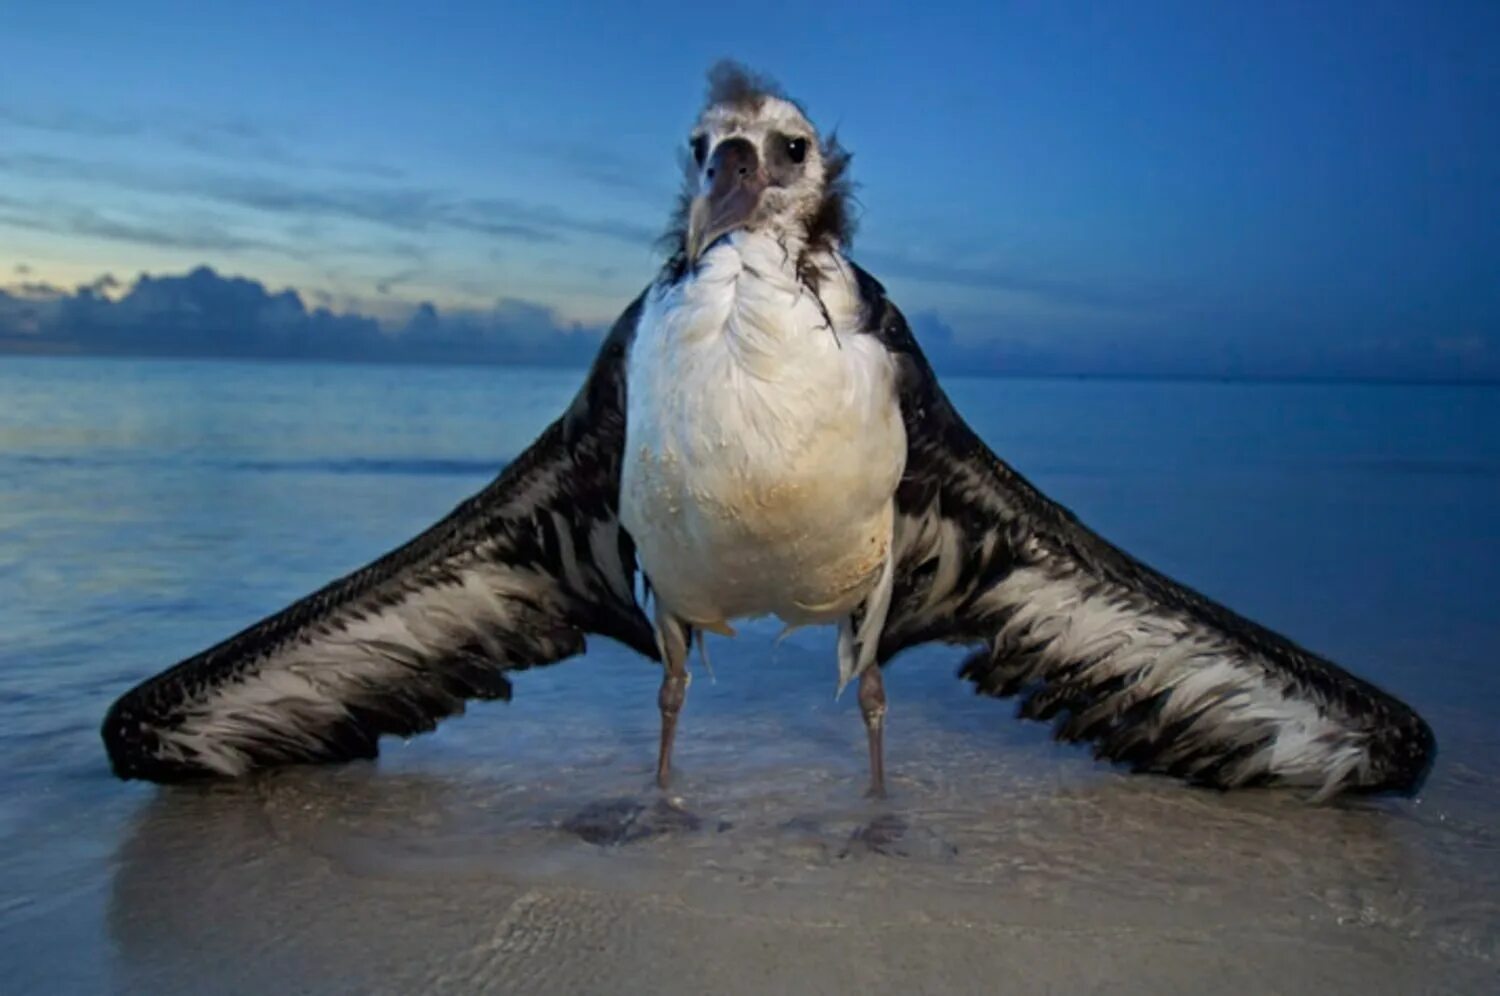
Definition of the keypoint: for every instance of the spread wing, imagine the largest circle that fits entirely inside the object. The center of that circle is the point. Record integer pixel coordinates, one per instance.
(1156, 675)
(511, 579)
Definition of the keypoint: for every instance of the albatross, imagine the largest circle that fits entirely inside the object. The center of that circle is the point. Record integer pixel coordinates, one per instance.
(761, 435)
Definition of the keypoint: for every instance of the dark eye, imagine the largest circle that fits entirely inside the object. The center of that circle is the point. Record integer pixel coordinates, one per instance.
(699, 144)
(796, 149)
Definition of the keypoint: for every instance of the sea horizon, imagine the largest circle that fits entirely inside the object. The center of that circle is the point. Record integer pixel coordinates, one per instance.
(945, 371)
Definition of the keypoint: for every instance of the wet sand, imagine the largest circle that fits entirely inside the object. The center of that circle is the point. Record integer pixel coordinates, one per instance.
(518, 854)
(522, 849)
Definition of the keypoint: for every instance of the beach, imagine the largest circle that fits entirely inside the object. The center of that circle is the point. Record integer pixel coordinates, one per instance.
(149, 508)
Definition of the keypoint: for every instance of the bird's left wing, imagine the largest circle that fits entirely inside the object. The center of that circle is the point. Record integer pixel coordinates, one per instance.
(1155, 674)
(512, 578)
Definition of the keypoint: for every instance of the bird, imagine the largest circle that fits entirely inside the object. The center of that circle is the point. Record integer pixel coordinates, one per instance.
(761, 435)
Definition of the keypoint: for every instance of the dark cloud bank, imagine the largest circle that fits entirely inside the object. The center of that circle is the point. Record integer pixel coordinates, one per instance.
(204, 314)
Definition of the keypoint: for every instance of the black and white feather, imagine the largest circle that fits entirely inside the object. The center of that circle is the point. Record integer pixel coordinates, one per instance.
(764, 453)
(1157, 676)
(513, 578)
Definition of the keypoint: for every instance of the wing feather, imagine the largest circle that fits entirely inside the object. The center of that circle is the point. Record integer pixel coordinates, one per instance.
(1154, 674)
(513, 578)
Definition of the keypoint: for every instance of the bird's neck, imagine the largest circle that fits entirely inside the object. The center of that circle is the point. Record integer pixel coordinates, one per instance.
(775, 253)
(764, 274)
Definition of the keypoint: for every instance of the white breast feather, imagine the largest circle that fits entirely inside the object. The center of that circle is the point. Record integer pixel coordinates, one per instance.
(763, 448)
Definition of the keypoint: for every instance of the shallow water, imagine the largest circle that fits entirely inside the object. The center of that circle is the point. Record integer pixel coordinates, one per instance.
(148, 508)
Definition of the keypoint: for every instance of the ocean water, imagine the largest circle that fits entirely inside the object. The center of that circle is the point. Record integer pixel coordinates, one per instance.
(149, 508)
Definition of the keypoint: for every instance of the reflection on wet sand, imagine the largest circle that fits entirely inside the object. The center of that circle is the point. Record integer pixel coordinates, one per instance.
(363, 879)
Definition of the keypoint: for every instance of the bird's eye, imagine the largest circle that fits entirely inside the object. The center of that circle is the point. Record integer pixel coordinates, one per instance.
(796, 149)
(699, 144)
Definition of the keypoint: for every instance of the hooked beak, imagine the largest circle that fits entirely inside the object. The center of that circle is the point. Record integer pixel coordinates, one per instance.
(736, 181)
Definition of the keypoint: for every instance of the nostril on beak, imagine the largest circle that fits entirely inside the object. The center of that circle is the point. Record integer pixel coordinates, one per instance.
(733, 162)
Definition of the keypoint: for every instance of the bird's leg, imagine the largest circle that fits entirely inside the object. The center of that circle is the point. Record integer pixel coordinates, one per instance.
(872, 704)
(673, 692)
(672, 638)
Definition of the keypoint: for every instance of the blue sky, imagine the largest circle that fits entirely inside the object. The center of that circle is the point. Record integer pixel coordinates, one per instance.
(1297, 187)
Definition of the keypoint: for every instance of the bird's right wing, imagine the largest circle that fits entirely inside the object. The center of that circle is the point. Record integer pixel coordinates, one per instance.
(1155, 674)
(512, 578)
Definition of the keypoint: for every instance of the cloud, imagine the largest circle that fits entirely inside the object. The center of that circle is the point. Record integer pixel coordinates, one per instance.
(385, 285)
(37, 290)
(1008, 279)
(405, 208)
(102, 284)
(603, 167)
(235, 139)
(202, 313)
(70, 121)
(241, 140)
(197, 236)
(490, 210)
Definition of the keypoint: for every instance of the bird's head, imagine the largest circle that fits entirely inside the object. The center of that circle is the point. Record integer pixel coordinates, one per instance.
(756, 163)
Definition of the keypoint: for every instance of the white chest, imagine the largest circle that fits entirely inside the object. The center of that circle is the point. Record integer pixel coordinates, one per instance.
(763, 448)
